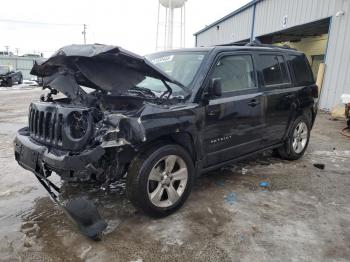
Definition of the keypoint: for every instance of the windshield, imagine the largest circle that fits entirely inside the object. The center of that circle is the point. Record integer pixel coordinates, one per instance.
(4, 69)
(158, 87)
(182, 66)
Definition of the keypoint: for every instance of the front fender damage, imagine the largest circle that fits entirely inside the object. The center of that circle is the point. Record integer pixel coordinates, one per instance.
(119, 130)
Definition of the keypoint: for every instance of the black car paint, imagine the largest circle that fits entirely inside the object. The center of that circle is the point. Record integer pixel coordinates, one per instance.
(10, 78)
(215, 131)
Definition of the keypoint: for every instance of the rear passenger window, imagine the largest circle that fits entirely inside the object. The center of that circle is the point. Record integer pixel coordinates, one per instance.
(274, 69)
(236, 72)
(283, 66)
(301, 69)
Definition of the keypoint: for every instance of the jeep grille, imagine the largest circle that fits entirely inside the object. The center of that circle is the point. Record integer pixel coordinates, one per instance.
(46, 126)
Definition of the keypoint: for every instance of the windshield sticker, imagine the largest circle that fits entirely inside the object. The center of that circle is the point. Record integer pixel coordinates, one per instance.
(163, 59)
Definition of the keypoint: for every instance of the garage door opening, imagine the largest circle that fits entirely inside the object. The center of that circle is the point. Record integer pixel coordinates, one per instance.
(310, 39)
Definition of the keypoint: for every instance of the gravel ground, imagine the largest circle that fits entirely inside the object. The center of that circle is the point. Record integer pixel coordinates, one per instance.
(303, 214)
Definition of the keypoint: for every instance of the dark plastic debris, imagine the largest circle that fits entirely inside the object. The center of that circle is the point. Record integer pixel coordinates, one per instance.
(86, 215)
(320, 166)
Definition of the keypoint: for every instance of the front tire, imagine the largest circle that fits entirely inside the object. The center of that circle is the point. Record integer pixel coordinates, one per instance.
(160, 180)
(297, 141)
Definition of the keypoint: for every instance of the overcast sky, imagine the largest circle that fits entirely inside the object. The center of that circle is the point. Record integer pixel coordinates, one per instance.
(130, 24)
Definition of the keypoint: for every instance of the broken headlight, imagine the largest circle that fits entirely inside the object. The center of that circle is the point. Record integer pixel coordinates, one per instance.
(78, 124)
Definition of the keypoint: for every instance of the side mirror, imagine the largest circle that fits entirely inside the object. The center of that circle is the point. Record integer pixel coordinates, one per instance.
(214, 89)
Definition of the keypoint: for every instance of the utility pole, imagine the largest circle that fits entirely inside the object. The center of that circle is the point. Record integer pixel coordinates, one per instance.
(17, 50)
(7, 49)
(84, 33)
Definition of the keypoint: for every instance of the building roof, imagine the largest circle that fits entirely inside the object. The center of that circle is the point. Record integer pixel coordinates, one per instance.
(239, 10)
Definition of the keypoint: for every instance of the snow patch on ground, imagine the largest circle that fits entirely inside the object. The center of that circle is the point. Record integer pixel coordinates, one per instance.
(27, 84)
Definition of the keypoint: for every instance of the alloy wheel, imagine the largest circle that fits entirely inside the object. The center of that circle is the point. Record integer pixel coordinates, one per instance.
(300, 137)
(167, 181)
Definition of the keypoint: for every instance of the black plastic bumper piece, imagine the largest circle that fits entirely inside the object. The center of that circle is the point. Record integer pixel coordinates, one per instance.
(32, 155)
(87, 217)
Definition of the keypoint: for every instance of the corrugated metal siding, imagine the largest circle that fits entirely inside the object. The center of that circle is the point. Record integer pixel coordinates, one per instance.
(231, 30)
(337, 78)
(270, 13)
(269, 18)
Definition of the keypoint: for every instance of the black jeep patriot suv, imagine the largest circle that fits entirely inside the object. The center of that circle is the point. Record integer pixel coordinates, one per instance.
(162, 119)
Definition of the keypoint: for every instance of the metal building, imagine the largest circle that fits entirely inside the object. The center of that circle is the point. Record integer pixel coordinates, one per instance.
(23, 64)
(319, 28)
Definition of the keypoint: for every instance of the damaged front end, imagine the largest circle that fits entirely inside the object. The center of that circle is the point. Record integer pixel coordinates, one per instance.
(77, 147)
(88, 135)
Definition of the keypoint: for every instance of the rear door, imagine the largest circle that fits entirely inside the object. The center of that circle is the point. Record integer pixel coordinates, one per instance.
(233, 121)
(278, 96)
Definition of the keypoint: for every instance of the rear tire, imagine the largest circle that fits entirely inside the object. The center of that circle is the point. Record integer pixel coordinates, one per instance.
(20, 81)
(297, 141)
(160, 179)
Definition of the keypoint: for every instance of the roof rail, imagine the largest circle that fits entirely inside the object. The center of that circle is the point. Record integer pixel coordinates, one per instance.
(232, 44)
(256, 42)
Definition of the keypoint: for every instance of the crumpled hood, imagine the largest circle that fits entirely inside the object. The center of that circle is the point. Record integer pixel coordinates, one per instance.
(104, 67)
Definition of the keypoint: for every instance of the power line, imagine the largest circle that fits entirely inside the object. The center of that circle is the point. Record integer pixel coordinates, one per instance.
(36, 22)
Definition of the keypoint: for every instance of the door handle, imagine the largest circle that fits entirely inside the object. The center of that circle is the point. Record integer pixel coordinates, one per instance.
(253, 103)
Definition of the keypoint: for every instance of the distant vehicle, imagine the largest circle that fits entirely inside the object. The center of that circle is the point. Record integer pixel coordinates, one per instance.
(31, 55)
(8, 76)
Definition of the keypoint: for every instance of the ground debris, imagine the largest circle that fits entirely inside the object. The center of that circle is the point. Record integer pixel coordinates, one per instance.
(230, 198)
(264, 184)
(244, 171)
(319, 166)
(27, 242)
(254, 227)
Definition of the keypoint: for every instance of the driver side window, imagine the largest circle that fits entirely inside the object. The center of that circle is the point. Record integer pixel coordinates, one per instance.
(236, 73)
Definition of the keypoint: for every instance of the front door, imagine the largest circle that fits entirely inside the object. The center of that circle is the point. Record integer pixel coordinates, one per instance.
(233, 121)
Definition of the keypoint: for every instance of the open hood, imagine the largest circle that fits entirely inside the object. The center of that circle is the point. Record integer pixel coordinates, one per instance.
(104, 67)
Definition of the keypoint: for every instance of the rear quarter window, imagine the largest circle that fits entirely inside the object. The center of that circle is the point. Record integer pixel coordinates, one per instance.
(273, 69)
(301, 70)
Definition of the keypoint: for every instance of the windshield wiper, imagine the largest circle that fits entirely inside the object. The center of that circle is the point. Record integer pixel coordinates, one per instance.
(141, 90)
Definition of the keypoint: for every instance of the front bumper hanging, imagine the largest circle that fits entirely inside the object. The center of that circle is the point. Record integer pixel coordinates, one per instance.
(37, 158)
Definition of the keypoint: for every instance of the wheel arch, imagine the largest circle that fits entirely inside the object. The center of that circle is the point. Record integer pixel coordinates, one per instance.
(183, 139)
(308, 112)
